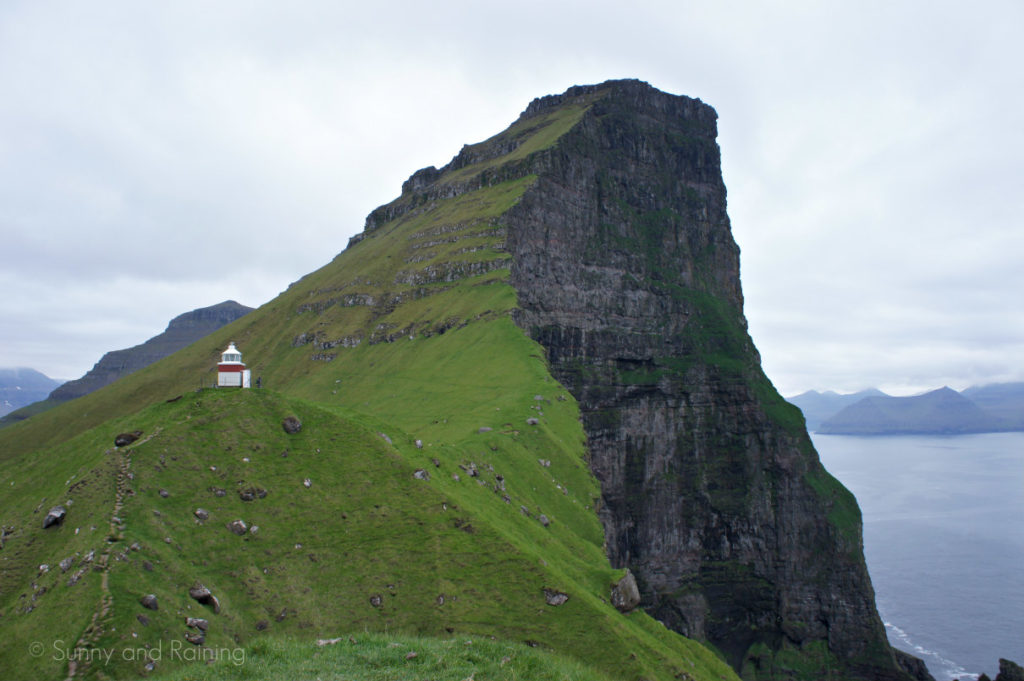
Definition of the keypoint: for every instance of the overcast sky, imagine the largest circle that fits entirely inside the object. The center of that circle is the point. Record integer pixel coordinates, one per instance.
(159, 157)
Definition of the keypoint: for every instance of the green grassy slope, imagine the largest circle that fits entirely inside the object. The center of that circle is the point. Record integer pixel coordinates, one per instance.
(399, 356)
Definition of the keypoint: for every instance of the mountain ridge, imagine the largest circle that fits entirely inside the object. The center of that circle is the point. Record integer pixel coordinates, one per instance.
(541, 353)
(979, 409)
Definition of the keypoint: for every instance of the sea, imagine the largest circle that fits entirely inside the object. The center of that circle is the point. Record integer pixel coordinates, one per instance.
(944, 542)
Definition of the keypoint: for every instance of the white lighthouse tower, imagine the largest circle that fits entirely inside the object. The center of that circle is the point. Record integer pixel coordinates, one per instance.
(231, 371)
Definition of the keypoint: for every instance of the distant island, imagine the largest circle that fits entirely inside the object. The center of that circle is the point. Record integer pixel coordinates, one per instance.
(979, 409)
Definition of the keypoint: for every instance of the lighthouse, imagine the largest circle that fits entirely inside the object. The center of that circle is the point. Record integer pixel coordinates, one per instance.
(231, 371)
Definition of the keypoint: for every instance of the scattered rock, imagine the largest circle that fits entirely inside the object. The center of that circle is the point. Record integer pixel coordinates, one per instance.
(197, 623)
(201, 514)
(386, 438)
(419, 444)
(251, 493)
(254, 530)
(147, 566)
(238, 527)
(455, 477)
(544, 520)
(525, 511)
(307, 483)
(262, 625)
(421, 474)
(218, 491)
(552, 597)
(376, 600)
(625, 594)
(143, 620)
(164, 493)
(327, 641)
(55, 516)
(532, 421)
(149, 601)
(201, 594)
(66, 564)
(546, 463)
(538, 398)
(484, 429)
(291, 425)
(436, 462)
(195, 638)
(411, 655)
(127, 438)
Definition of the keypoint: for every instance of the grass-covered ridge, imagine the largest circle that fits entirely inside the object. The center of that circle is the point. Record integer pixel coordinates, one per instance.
(448, 488)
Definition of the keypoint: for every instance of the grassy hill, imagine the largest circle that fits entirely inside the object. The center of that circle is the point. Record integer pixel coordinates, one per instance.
(448, 490)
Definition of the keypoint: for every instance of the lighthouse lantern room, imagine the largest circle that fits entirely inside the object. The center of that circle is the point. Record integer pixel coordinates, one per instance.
(231, 371)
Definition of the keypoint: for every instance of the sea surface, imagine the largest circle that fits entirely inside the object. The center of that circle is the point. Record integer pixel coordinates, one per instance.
(944, 541)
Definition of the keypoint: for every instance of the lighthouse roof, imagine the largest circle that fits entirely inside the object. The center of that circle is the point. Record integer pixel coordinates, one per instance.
(231, 356)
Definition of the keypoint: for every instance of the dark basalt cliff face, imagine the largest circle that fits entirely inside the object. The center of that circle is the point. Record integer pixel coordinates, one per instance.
(712, 493)
(627, 274)
(181, 331)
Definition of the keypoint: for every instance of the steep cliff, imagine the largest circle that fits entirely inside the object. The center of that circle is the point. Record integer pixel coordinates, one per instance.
(712, 493)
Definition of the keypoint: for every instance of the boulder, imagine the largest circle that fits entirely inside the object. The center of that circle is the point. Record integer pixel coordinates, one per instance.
(127, 438)
(625, 593)
(196, 638)
(149, 601)
(201, 514)
(1009, 671)
(55, 516)
(203, 595)
(238, 527)
(291, 425)
(251, 493)
(552, 597)
(197, 623)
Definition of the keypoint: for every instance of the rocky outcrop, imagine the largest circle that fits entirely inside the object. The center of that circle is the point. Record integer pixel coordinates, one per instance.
(627, 274)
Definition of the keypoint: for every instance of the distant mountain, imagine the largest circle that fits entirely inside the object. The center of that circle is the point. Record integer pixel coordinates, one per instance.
(21, 387)
(818, 406)
(1004, 401)
(181, 332)
(942, 411)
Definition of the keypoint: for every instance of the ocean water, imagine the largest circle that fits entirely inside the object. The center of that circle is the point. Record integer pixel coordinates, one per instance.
(944, 541)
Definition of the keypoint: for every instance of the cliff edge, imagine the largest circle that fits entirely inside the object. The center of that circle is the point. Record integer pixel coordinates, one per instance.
(627, 274)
